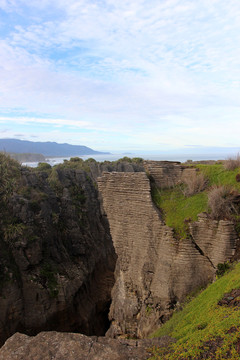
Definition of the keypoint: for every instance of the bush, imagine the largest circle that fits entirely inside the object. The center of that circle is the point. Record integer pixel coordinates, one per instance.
(223, 202)
(75, 159)
(9, 175)
(222, 268)
(42, 166)
(232, 163)
(194, 184)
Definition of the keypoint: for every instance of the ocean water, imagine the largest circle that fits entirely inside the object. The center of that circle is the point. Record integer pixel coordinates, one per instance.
(157, 157)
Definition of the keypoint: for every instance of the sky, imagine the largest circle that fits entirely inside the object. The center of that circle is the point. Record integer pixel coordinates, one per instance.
(126, 75)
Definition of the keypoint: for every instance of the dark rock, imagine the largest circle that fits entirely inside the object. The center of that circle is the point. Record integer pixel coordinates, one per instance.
(60, 268)
(231, 299)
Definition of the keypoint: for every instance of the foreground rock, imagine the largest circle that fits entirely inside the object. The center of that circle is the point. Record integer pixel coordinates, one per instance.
(69, 346)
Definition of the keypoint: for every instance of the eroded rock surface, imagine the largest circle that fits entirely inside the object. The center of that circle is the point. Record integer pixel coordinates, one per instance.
(167, 174)
(217, 239)
(69, 346)
(154, 271)
(57, 260)
(58, 255)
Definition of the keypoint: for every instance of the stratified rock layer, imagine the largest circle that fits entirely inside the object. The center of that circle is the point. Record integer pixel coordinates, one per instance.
(154, 271)
(167, 174)
(58, 255)
(217, 239)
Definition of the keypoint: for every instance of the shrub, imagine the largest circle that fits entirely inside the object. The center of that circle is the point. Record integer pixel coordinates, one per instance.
(222, 268)
(75, 159)
(48, 277)
(42, 166)
(223, 202)
(9, 175)
(137, 160)
(54, 181)
(13, 232)
(232, 163)
(194, 184)
(91, 160)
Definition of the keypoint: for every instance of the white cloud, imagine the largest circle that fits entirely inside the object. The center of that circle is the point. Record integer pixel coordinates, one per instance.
(135, 67)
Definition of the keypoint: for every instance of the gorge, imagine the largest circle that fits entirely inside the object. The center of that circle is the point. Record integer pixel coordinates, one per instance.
(84, 249)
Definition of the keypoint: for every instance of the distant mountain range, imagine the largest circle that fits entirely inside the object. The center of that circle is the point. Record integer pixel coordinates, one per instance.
(45, 148)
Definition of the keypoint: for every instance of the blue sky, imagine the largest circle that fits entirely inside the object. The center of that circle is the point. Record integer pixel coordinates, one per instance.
(128, 75)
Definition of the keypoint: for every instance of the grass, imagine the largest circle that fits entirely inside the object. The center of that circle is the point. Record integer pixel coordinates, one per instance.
(217, 175)
(201, 321)
(178, 209)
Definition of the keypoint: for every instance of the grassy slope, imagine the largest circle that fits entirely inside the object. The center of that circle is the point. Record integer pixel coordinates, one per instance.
(202, 327)
(176, 208)
(218, 176)
(202, 321)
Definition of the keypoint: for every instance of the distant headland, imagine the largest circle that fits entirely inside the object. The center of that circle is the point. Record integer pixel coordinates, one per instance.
(15, 146)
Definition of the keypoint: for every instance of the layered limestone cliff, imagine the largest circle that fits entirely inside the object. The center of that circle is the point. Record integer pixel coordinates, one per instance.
(217, 239)
(68, 250)
(167, 174)
(154, 271)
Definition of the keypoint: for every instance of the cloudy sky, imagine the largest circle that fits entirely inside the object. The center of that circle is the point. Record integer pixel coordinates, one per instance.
(121, 75)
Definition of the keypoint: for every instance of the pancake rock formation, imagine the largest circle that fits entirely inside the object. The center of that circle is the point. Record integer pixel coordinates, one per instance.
(87, 257)
(154, 271)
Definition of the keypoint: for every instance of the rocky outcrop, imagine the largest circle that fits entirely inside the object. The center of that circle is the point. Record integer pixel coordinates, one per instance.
(65, 255)
(216, 239)
(69, 346)
(167, 174)
(57, 260)
(154, 271)
(96, 169)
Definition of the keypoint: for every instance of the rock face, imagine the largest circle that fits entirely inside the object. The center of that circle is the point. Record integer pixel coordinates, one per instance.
(96, 169)
(217, 239)
(69, 346)
(57, 260)
(69, 250)
(154, 271)
(167, 174)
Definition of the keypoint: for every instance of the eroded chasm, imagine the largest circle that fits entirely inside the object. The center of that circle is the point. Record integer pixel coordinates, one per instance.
(94, 256)
(57, 258)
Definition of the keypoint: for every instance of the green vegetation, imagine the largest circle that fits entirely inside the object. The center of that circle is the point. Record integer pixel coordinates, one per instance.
(222, 269)
(9, 175)
(13, 231)
(54, 182)
(48, 278)
(205, 328)
(42, 166)
(180, 205)
(179, 210)
(76, 163)
(217, 175)
(136, 160)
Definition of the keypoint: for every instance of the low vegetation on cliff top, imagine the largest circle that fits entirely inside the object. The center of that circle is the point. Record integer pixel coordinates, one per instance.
(217, 194)
(208, 326)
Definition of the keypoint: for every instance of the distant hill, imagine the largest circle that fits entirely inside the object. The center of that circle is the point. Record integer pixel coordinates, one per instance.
(45, 148)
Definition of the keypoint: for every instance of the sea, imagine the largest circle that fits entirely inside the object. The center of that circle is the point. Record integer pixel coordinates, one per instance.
(157, 157)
